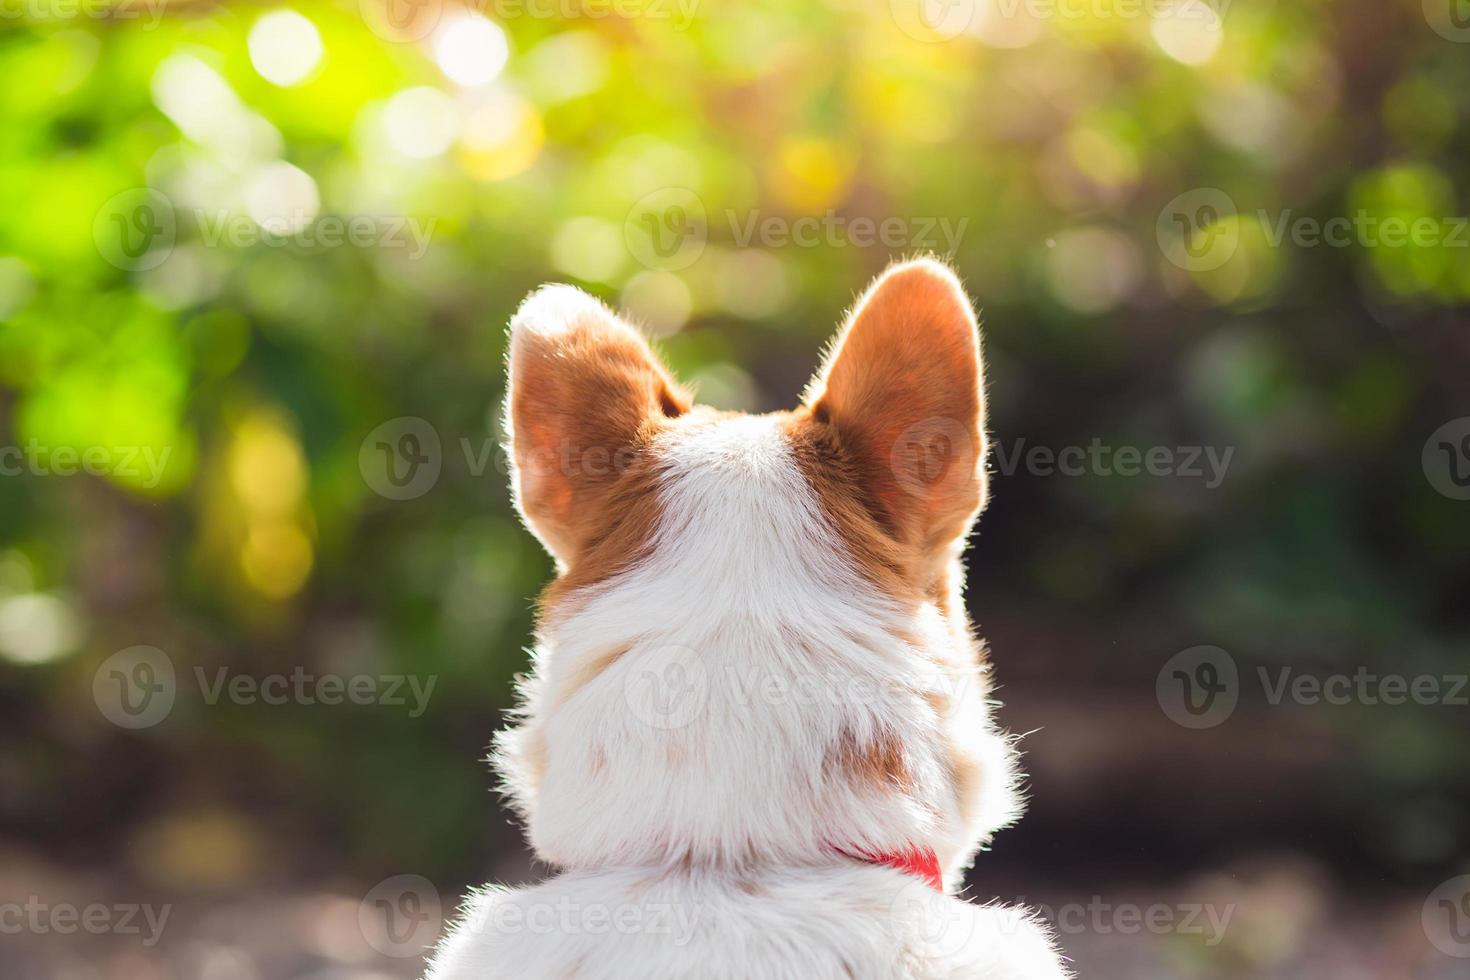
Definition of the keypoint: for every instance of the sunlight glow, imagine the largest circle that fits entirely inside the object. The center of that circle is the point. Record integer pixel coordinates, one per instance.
(282, 198)
(471, 50)
(420, 122)
(285, 47)
(501, 137)
(1189, 33)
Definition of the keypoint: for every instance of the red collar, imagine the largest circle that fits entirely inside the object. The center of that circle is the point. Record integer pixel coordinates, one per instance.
(922, 863)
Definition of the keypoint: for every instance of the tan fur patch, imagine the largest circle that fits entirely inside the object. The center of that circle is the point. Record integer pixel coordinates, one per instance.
(878, 764)
(588, 672)
(835, 478)
(615, 529)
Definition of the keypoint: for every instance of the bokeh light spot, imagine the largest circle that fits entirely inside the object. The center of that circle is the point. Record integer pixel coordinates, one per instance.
(1092, 270)
(285, 47)
(811, 174)
(282, 198)
(588, 248)
(1188, 33)
(659, 301)
(420, 122)
(471, 49)
(500, 138)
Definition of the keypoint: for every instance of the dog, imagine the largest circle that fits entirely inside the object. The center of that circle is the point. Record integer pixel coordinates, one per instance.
(756, 739)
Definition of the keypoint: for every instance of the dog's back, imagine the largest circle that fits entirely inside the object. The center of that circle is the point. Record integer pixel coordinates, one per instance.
(848, 923)
(756, 702)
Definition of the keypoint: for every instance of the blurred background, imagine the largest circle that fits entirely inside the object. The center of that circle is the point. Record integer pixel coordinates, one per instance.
(262, 593)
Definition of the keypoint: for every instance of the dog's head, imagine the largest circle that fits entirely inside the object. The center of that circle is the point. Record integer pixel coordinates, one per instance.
(755, 644)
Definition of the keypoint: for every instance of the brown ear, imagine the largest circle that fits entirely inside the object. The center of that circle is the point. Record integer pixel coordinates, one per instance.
(584, 390)
(903, 388)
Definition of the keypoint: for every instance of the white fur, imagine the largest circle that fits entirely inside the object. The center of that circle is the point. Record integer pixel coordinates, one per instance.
(766, 649)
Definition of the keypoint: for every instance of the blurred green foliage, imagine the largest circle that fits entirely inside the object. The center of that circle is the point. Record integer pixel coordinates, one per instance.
(168, 179)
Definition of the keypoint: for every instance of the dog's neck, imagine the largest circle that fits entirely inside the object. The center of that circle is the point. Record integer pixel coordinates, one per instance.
(744, 695)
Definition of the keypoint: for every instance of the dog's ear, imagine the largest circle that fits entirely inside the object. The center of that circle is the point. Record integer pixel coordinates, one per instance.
(903, 389)
(583, 390)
